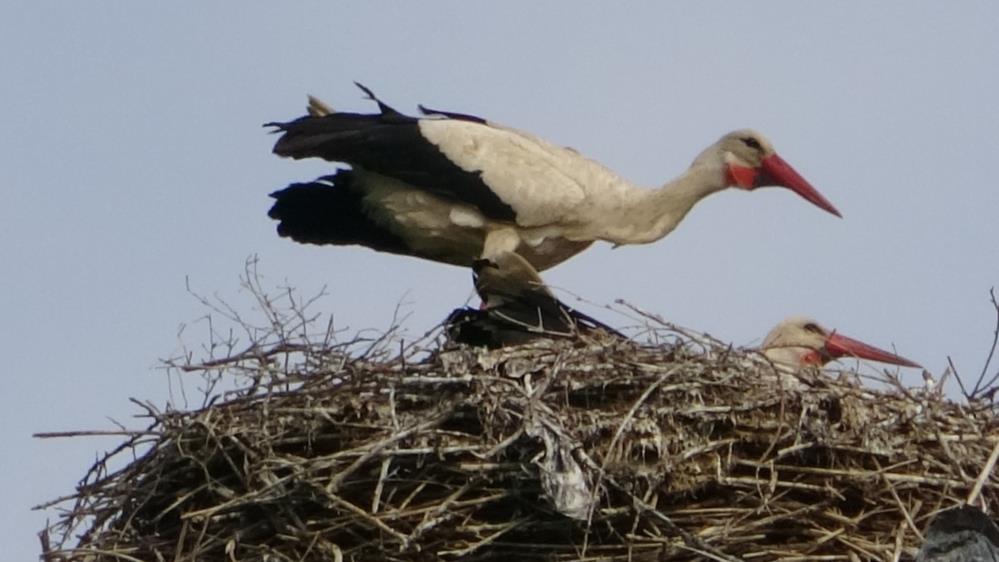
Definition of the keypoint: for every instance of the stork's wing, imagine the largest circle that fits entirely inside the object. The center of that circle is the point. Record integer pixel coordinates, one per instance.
(506, 174)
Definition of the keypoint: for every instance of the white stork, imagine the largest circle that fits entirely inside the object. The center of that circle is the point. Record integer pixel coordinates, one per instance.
(455, 188)
(800, 341)
(961, 534)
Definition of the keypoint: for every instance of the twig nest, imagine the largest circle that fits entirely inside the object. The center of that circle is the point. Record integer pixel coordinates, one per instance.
(564, 450)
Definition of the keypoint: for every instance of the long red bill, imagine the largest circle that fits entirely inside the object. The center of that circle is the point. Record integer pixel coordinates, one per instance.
(842, 346)
(778, 172)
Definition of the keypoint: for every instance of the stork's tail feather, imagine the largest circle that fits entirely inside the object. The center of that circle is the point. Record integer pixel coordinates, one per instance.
(330, 211)
(385, 108)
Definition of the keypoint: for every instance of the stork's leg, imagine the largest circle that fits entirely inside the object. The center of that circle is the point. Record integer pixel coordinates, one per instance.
(502, 275)
(500, 241)
(508, 278)
(512, 292)
(512, 289)
(517, 307)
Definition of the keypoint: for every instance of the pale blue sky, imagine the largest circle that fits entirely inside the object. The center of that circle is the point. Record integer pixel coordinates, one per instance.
(133, 157)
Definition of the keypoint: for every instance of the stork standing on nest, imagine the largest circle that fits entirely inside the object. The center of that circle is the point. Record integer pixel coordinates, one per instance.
(800, 341)
(455, 188)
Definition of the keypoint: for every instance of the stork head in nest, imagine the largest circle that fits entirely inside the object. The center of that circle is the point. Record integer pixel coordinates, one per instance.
(799, 341)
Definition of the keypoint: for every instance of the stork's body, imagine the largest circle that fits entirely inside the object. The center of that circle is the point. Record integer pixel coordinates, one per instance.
(456, 188)
(799, 342)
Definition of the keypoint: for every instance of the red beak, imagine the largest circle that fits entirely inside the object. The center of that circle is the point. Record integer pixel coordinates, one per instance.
(842, 346)
(775, 171)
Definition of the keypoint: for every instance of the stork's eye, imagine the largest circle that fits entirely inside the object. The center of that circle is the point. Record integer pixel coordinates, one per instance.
(751, 143)
(814, 328)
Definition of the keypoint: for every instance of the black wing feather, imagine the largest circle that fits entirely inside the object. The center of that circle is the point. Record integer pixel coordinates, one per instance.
(389, 143)
(329, 211)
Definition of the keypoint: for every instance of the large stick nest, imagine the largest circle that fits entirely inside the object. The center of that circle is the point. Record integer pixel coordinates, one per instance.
(587, 449)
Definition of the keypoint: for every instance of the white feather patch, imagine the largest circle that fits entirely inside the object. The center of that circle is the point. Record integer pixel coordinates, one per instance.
(545, 184)
(464, 216)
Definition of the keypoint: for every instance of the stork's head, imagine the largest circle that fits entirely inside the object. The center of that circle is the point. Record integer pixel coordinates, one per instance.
(800, 341)
(749, 162)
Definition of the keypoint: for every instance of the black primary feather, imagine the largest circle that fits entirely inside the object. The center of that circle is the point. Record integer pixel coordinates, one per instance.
(390, 143)
(450, 114)
(329, 211)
